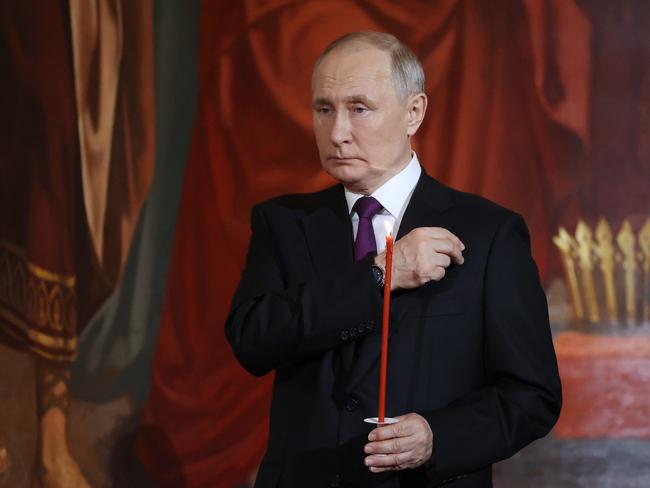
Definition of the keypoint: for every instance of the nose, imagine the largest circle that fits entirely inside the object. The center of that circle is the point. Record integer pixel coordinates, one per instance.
(341, 133)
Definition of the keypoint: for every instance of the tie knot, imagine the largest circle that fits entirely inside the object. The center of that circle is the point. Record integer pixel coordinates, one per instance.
(367, 207)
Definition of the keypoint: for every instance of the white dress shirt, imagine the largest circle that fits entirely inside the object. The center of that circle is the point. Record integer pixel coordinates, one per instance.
(394, 196)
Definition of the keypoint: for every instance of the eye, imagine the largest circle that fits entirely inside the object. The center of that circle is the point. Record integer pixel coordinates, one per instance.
(359, 109)
(323, 109)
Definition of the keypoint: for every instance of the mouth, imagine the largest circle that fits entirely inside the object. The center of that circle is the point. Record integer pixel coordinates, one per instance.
(340, 159)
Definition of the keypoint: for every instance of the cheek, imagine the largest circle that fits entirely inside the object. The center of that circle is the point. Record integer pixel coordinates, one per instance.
(373, 138)
(393, 135)
(321, 131)
(379, 128)
(368, 133)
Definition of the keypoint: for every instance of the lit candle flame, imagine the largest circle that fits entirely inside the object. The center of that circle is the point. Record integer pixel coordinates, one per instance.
(389, 227)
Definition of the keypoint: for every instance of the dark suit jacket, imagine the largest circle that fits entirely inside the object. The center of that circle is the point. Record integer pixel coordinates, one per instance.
(471, 353)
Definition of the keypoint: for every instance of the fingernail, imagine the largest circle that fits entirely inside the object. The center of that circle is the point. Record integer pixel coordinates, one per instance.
(367, 461)
(371, 437)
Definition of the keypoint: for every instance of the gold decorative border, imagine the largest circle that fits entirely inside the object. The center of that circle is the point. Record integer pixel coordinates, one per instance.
(39, 306)
(42, 273)
(20, 337)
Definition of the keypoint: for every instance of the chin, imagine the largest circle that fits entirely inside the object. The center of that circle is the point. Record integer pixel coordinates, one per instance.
(349, 175)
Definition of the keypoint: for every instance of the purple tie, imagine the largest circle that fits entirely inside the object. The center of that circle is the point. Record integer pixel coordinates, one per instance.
(366, 208)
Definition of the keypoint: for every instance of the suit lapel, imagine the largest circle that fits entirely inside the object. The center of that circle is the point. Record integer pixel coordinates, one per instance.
(328, 230)
(429, 200)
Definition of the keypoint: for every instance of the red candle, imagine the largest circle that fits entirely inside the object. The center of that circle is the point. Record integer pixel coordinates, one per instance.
(384, 330)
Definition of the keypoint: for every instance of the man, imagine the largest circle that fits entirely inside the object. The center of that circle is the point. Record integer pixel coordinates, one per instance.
(472, 375)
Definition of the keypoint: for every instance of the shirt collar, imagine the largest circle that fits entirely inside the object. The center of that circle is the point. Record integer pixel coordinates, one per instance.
(393, 194)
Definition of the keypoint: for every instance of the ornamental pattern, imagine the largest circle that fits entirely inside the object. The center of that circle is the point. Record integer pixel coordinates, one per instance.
(37, 306)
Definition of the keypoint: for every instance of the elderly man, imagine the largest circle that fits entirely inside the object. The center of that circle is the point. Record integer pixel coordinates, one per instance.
(472, 372)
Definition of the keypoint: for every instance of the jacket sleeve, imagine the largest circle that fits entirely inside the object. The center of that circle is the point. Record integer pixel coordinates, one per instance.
(274, 322)
(522, 397)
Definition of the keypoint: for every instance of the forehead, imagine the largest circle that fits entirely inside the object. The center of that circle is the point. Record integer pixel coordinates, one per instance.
(357, 68)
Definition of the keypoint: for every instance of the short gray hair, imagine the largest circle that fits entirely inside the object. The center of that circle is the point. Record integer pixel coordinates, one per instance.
(408, 75)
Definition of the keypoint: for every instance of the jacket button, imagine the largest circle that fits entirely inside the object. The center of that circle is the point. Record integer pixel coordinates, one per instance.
(352, 403)
(336, 481)
(344, 335)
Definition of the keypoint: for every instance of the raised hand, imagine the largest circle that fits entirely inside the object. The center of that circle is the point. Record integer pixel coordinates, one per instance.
(423, 255)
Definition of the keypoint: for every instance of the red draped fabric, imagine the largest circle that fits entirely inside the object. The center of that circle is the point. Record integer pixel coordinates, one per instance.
(52, 280)
(41, 241)
(509, 86)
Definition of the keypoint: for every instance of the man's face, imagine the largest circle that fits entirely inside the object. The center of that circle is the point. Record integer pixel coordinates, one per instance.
(360, 123)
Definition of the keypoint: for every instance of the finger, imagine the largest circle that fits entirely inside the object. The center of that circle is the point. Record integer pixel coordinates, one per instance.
(391, 446)
(450, 249)
(446, 246)
(427, 264)
(442, 260)
(438, 273)
(395, 461)
(379, 464)
(458, 257)
(434, 273)
(399, 429)
(442, 233)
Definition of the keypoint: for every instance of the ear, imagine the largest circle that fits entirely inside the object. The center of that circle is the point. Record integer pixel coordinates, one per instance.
(417, 107)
